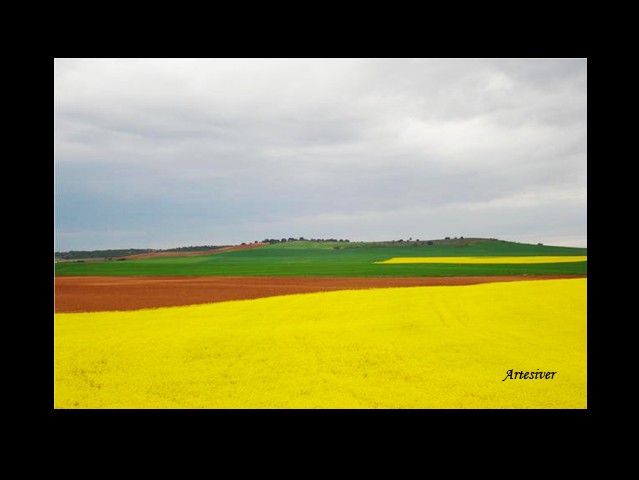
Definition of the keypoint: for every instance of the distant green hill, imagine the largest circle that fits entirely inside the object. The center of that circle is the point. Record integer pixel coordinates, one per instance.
(342, 259)
(98, 254)
(123, 252)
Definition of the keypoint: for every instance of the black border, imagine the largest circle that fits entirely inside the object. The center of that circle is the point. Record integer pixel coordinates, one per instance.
(534, 419)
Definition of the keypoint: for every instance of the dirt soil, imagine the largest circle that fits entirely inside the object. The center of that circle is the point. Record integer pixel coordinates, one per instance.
(99, 293)
(233, 248)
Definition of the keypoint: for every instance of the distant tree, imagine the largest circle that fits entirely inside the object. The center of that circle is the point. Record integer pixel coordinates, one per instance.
(243, 243)
(461, 238)
(540, 244)
(301, 238)
(429, 242)
(447, 238)
(400, 240)
(283, 240)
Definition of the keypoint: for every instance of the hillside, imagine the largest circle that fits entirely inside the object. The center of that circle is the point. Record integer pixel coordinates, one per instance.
(114, 254)
(356, 259)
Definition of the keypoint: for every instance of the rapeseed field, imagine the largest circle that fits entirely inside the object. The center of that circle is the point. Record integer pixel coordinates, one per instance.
(488, 260)
(416, 347)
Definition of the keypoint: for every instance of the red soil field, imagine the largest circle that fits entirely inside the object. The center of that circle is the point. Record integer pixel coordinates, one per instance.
(91, 294)
(138, 256)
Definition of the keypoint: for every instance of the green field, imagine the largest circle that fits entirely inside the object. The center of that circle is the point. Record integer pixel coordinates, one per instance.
(304, 258)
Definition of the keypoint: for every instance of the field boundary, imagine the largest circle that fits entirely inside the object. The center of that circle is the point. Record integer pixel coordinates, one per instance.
(109, 293)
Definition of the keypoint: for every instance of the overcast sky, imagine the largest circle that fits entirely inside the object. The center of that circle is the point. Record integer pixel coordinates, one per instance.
(160, 153)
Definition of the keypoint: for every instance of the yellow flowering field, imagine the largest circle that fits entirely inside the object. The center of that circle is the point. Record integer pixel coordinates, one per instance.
(415, 347)
(488, 260)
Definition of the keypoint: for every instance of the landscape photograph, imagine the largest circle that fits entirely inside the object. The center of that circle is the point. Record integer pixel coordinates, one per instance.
(320, 233)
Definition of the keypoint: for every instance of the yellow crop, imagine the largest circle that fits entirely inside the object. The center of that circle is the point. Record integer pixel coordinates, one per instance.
(416, 347)
(492, 260)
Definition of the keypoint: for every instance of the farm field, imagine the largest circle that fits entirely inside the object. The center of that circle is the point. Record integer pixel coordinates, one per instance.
(488, 260)
(408, 347)
(322, 325)
(323, 259)
(89, 294)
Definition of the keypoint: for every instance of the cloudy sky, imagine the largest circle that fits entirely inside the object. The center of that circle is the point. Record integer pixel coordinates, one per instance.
(160, 153)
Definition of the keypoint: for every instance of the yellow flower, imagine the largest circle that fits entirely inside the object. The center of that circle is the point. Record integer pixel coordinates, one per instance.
(416, 347)
(488, 260)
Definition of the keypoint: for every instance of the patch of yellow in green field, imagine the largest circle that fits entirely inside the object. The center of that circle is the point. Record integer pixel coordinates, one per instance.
(416, 347)
(488, 260)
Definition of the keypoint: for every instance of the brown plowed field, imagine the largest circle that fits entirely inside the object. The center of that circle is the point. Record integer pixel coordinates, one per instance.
(233, 248)
(90, 294)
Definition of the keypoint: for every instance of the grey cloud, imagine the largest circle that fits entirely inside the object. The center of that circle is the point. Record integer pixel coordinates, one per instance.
(303, 143)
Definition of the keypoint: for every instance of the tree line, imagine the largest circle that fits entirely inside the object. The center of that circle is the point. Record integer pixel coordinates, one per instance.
(302, 239)
(77, 254)
(123, 252)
